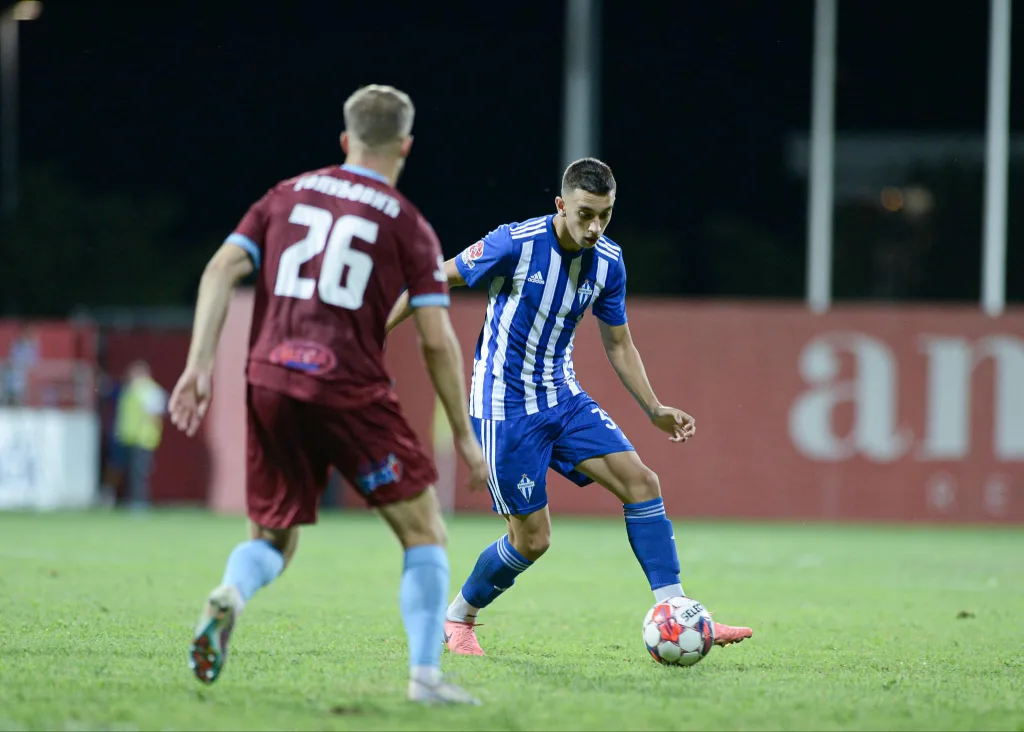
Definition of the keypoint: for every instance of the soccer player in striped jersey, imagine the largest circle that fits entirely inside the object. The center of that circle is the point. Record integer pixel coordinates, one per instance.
(529, 410)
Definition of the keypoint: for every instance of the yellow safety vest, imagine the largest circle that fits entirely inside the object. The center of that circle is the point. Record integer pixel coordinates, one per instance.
(134, 425)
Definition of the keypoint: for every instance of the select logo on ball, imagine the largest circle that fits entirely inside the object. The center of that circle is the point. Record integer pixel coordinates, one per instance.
(678, 632)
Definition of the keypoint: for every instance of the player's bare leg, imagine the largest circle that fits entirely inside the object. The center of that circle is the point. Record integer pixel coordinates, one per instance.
(650, 532)
(420, 528)
(529, 536)
(252, 565)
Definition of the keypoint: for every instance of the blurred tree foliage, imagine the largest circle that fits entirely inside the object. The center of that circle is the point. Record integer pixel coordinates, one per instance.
(749, 261)
(69, 248)
(66, 247)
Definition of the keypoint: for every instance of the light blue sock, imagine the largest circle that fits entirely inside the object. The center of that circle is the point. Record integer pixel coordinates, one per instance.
(421, 597)
(654, 545)
(252, 565)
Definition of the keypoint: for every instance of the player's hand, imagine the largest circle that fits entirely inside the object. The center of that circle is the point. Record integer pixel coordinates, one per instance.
(472, 454)
(190, 400)
(679, 425)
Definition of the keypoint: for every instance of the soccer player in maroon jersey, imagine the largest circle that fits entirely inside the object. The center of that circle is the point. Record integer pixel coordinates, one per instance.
(334, 249)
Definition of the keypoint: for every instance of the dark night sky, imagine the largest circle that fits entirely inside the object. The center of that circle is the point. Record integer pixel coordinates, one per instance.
(212, 102)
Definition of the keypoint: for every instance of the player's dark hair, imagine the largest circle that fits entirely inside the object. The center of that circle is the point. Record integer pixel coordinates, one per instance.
(590, 175)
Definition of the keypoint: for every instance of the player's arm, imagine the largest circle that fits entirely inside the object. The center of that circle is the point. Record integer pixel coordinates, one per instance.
(476, 266)
(228, 266)
(236, 259)
(625, 359)
(443, 356)
(424, 271)
(402, 310)
(190, 399)
(610, 309)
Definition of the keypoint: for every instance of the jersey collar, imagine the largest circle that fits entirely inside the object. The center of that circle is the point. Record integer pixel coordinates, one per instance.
(554, 241)
(360, 170)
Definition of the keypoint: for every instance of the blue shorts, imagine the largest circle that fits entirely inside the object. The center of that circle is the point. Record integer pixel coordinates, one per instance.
(519, 451)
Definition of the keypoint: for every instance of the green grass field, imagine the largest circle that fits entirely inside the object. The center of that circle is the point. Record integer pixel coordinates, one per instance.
(855, 628)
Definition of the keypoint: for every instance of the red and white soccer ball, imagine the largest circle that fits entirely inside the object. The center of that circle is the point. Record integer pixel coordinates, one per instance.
(679, 632)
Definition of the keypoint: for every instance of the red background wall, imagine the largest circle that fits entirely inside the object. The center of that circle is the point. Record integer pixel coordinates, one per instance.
(181, 471)
(912, 435)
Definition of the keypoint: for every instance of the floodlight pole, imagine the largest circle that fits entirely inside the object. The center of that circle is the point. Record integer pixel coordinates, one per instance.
(821, 177)
(581, 114)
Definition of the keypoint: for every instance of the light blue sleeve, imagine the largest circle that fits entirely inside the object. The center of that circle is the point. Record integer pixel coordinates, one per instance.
(610, 305)
(251, 248)
(488, 258)
(251, 232)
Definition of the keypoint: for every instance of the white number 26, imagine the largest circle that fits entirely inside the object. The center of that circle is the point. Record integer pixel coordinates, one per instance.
(336, 238)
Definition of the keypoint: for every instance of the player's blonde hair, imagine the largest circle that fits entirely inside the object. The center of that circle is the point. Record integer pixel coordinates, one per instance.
(379, 116)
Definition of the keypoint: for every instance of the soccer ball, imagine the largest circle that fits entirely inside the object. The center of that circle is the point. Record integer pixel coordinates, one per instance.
(678, 632)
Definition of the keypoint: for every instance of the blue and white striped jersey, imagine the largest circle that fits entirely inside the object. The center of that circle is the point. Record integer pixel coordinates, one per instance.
(537, 294)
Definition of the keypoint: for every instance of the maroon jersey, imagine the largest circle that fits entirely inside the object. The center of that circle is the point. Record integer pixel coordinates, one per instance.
(335, 247)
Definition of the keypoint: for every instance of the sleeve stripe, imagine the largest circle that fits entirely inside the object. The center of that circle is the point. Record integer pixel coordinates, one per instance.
(248, 245)
(429, 299)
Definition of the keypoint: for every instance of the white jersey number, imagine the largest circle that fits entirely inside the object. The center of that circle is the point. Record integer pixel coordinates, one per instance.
(608, 422)
(336, 237)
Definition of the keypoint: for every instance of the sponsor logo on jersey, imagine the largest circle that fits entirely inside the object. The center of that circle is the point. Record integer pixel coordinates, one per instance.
(473, 253)
(308, 356)
(374, 475)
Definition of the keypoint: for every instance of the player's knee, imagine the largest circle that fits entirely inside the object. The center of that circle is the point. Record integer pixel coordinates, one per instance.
(537, 546)
(418, 522)
(434, 532)
(429, 532)
(531, 544)
(645, 486)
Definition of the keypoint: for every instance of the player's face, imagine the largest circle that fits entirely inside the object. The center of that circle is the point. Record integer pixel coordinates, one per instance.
(586, 215)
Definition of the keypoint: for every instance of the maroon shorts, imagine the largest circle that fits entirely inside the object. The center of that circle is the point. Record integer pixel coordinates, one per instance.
(292, 444)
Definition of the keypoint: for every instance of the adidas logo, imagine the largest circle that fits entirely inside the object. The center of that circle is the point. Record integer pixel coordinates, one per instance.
(536, 278)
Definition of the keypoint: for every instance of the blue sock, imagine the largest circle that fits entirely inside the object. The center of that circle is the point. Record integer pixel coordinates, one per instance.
(653, 541)
(252, 565)
(495, 571)
(421, 597)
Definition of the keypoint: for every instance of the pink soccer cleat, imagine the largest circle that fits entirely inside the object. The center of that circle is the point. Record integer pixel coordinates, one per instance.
(727, 634)
(461, 638)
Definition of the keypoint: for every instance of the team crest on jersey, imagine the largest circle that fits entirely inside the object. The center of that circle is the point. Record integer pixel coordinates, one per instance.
(374, 475)
(473, 253)
(526, 486)
(308, 356)
(585, 291)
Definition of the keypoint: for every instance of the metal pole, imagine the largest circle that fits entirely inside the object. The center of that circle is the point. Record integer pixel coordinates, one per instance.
(8, 114)
(820, 179)
(997, 161)
(581, 112)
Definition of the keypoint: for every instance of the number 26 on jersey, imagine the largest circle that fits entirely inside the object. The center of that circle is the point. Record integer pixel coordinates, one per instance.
(334, 238)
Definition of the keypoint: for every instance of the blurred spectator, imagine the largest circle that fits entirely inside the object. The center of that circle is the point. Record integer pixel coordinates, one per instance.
(21, 359)
(109, 393)
(138, 428)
